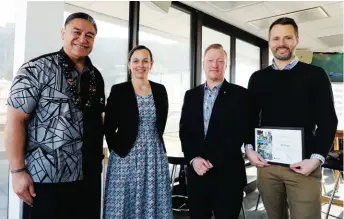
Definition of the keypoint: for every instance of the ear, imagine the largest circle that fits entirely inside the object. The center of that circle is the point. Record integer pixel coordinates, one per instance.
(63, 32)
(128, 65)
(151, 65)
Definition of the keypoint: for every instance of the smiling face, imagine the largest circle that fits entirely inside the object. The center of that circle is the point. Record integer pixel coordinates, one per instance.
(78, 38)
(283, 41)
(215, 64)
(140, 64)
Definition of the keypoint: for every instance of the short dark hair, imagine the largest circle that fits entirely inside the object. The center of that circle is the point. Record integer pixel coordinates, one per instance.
(81, 15)
(215, 46)
(139, 47)
(285, 21)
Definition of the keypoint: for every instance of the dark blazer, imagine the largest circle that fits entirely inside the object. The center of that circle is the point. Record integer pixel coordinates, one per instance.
(122, 116)
(227, 129)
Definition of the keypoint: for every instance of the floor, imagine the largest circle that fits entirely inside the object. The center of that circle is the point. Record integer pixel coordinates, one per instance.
(3, 188)
(249, 201)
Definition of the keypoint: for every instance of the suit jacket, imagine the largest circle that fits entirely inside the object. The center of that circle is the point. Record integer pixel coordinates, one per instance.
(227, 128)
(122, 116)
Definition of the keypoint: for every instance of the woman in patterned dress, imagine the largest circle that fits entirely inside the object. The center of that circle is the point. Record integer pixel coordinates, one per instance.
(138, 182)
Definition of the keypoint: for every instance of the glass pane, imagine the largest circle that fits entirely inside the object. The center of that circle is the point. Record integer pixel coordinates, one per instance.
(338, 93)
(271, 56)
(110, 48)
(167, 35)
(210, 36)
(7, 30)
(247, 62)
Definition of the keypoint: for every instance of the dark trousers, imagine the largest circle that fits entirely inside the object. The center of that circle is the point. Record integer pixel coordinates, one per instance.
(92, 195)
(71, 200)
(213, 193)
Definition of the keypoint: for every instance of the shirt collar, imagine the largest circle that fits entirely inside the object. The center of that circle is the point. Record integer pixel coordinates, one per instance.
(71, 64)
(218, 86)
(287, 67)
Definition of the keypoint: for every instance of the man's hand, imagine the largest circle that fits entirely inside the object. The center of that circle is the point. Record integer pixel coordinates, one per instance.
(306, 167)
(200, 165)
(23, 187)
(210, 164)
(255, 158)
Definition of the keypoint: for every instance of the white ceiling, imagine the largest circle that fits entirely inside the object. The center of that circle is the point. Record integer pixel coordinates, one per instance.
(309, 31)
(177, 22)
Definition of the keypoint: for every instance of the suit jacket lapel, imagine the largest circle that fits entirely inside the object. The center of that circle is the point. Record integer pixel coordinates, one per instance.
(216, 111)
(220, 96)
(199, 105)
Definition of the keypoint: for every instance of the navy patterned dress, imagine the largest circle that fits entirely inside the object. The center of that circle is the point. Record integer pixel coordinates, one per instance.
(138, 186)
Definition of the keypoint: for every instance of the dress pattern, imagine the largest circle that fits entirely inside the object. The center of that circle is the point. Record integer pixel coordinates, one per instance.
(138, 186)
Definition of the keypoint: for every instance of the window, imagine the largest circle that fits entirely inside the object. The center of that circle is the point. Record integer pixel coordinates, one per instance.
(110, 49)
(338, 93)
(271, 56)
(167, 35)
(247, 62)
(7, 30)
(210, 36)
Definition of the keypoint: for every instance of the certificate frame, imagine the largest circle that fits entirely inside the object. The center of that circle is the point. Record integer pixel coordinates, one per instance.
(277, 150)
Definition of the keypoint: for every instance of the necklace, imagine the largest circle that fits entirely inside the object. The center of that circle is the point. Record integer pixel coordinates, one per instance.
(72, 82)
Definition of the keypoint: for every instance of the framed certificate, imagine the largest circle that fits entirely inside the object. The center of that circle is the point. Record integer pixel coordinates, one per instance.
(279, 145)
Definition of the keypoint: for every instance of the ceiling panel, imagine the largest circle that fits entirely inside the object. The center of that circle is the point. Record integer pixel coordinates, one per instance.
(282, 7)
(301, 16)
(309, 31)
(174, 22)
(309, 42)
(325, 32)
(116, 9)
(80, 3)
(230, 5)
(150, 13)
(333, 40)
(321, 24)
(334, 9)
(252, 12)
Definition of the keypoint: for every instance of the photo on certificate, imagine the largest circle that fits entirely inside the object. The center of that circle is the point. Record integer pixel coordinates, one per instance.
(280, 145)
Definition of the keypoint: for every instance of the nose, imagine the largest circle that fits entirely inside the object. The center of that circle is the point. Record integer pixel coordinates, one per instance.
(141, 64)
(281, 42)
(83, 38)
(214, 64)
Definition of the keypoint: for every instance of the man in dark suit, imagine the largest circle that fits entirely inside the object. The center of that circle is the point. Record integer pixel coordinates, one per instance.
(212, 130)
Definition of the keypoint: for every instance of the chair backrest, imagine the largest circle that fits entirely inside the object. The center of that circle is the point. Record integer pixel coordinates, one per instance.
(334, 158)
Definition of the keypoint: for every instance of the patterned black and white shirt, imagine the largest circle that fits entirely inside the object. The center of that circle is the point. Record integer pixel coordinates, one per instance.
(54, 148)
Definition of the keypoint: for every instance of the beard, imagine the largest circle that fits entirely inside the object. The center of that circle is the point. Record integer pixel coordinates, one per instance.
(283, 57)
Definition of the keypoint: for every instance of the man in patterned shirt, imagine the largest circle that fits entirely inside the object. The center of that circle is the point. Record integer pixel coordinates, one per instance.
(53, 134)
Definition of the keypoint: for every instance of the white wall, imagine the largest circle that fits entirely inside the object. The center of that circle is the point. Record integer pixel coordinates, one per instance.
(38, 27)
